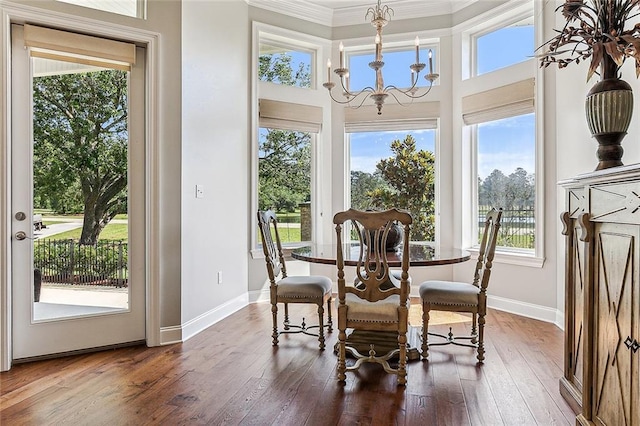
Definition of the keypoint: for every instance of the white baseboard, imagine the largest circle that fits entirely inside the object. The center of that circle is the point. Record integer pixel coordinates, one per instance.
(529, 310)
(196, 325)
(176, 334)
(170, 335)
(259, 296)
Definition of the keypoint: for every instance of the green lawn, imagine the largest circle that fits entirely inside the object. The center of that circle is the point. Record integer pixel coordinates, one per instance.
(113, 231)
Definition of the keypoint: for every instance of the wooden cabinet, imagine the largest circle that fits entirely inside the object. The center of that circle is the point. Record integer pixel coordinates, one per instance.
(602, 307)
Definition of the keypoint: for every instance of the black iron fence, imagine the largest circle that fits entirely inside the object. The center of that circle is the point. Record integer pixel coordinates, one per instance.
(67, 262)
(516, 227)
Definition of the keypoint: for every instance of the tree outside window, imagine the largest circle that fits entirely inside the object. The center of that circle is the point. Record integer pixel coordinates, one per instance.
(396, 169)
(506, 160)
(284, 156)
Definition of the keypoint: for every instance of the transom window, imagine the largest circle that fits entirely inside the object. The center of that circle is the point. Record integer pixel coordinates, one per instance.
(396, 69)
(503, 47)
(287, 65)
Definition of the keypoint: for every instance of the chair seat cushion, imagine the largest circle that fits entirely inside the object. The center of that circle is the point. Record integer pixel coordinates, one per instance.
(304, 286)
(383, 311)
(449, 293)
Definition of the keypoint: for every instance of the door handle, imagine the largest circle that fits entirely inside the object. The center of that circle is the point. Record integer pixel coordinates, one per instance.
(21, 235)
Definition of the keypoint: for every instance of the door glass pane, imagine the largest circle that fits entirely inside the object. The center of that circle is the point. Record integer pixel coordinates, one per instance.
(80, 190)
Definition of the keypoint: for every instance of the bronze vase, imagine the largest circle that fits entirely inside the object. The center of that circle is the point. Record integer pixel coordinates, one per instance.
(609, 107)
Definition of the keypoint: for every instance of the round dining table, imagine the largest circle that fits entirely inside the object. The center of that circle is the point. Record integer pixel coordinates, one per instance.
(420, 254)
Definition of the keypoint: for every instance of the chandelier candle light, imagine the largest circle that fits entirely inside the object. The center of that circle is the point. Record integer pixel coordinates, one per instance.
(380, 16)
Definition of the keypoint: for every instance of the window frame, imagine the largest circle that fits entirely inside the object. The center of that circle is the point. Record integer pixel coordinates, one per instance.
(473, 84)
(312, 96)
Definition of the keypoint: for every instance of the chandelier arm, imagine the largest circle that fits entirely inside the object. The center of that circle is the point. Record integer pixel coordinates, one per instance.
(338, 101)
(407, 92)
(396, 98)
(364, 98)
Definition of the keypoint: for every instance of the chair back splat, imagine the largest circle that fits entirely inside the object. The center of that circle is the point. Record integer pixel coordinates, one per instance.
(286, 289)
(377, 301)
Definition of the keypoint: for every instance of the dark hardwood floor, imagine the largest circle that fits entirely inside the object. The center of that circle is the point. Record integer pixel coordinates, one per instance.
(230, 374)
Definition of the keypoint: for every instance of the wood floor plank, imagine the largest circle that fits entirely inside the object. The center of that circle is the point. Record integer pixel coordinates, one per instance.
(231, 374)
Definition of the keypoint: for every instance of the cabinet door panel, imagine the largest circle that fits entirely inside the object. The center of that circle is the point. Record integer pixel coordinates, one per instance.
(616, 269)
(577, 309)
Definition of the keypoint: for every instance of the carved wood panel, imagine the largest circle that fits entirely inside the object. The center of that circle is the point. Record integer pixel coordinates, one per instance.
(616, 263)
(618, 203)
(575, 202)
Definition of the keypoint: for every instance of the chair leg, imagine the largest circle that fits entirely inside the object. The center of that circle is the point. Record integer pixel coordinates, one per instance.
(425, 330)
(330, 322)
(474, 328)
(286, 316)
(321, 325)
(481, 322)
(402, 362)
(274, 312)
(342, 356)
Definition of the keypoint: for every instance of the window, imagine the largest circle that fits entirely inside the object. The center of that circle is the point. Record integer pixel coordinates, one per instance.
(501, 122)
(506, 177)
(135, 8)
(396, 69)
(396, 169)
(285, 135)
(284, 180)
(504, 47)
(286, 65)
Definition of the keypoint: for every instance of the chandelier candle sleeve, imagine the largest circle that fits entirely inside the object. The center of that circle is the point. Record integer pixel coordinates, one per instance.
(341, 55)
(329, 70)
(430, 62)
(417, 51)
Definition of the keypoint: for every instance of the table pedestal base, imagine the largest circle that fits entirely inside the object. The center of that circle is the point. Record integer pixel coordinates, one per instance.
(383, 341)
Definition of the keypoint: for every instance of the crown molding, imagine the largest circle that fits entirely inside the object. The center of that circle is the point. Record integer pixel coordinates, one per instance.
(298, 9)
(355, 15)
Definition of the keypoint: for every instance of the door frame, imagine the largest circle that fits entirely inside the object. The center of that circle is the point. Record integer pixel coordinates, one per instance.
(21, 14)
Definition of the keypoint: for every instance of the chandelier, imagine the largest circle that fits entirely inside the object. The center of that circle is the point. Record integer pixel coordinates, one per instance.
(380, 16)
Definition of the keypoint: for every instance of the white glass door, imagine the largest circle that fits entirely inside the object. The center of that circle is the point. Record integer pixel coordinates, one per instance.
(77, 203)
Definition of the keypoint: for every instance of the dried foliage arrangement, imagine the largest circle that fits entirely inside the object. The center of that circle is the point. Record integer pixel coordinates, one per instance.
(599, 31)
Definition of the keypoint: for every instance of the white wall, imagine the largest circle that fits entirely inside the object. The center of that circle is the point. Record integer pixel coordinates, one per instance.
(215, 153)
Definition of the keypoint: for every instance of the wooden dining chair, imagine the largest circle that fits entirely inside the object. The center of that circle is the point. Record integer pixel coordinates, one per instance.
(370, 304)
(463, 297)
(287, 289)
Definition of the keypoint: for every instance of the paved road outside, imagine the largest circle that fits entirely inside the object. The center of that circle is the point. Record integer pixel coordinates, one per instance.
(64, 225)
